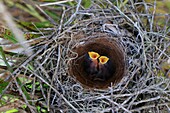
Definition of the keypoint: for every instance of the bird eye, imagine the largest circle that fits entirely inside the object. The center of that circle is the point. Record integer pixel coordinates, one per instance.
(93, 55)
(103, 59)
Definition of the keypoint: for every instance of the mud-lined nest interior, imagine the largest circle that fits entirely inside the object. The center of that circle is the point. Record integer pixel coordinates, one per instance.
(105, 46)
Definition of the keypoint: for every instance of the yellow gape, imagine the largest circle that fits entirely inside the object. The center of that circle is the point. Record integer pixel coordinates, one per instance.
(93, 55)
(103, 59)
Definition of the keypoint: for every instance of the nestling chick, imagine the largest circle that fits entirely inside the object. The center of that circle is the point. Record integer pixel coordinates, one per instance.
(92, 63)
(103, 71)
(97, 66)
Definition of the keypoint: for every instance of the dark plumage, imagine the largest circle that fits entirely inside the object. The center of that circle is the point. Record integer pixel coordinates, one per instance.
(91, 63)
(97, 66)
(105, 70)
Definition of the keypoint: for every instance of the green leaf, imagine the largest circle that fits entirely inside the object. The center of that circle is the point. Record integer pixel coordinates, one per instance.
(23, 89)
(86, 3)
(43, 110)
(29, 25)
(10, 38)
(24, 106)
(2, 54)
(3, 85)
(29, 66)
(55, 16)
(12, 111)
(39, 109)
(24, 80)
(7, 34)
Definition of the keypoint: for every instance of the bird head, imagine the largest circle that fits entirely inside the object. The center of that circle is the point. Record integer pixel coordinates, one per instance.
(93, 64)
(103, 60)
(103, 68)
(93, 55)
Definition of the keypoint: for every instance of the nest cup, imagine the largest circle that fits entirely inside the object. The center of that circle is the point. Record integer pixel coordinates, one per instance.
(105, 46)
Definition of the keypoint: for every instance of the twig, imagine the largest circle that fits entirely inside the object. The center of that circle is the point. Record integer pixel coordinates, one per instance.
(74, 15)
(56, 3)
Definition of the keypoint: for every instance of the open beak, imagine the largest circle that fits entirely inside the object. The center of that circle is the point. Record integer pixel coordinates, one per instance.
(103, 60)
(97, 62)
(94, 58)
(93, 55)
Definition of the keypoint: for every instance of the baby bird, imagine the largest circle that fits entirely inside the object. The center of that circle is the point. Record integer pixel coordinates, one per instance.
(97, 66)
(93, 62)
(103, 71)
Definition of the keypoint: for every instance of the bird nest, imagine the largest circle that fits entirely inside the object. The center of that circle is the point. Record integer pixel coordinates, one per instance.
(136, 45)
(104, 45)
